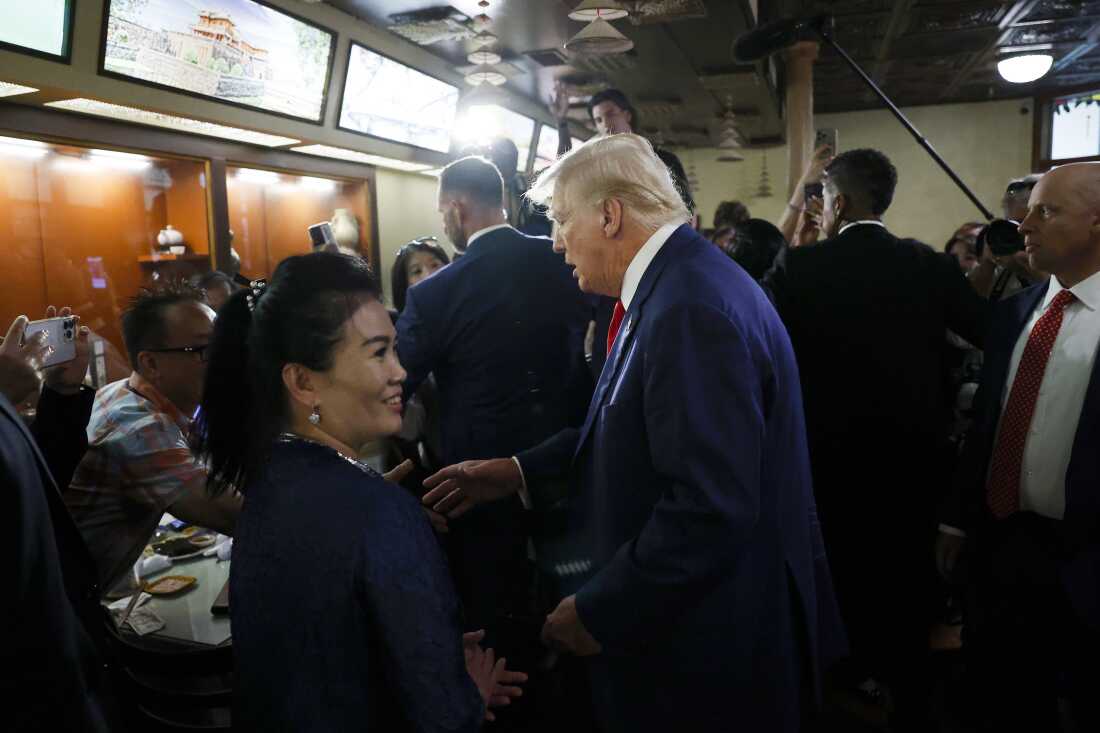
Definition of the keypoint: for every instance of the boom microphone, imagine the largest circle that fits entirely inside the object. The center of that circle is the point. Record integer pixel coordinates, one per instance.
(766, 39)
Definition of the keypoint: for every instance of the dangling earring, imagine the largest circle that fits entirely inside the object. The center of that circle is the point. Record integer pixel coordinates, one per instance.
(315, 416)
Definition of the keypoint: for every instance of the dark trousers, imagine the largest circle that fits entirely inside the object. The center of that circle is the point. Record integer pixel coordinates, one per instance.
(1024, 646)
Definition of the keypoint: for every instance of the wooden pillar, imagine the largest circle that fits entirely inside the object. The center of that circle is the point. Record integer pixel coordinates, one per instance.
(800, 109)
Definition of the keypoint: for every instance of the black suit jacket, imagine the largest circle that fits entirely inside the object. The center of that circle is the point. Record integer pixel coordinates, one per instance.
(502, 329)
(53, 619)
(867, 314)
(1080, 570)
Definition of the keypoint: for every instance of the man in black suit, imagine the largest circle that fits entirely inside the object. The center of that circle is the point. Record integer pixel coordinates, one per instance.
(53, 671)
(867, 313)
(502, 329)
(1029, 481)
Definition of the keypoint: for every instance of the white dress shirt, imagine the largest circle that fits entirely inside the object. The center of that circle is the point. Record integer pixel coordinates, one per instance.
(1049, 443)
(632, 278)
(849, 225)
(483, 232)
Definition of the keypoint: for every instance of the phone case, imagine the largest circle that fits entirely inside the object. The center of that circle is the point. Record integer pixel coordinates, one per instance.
(60, 336)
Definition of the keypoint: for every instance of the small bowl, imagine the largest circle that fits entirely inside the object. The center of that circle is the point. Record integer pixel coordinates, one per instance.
(177, 249)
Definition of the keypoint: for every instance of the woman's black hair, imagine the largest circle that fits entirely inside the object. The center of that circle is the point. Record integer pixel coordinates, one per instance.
(399, 275)
(754, 246)
(299, 318)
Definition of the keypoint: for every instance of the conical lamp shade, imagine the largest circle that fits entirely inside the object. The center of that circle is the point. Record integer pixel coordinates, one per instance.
(603, 9)
(485, 74)
(599, 38)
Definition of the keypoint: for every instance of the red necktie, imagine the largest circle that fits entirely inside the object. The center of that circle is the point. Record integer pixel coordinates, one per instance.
(1003, 487)
(616, 321)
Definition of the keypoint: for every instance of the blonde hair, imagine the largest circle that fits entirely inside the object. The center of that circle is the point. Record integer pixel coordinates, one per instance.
(622, 167)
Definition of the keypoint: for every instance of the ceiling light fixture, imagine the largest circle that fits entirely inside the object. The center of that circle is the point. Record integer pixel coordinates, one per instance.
(484, 57)
(589, 10)
(171, 122)
(355, 156)
(17, 147)
(485, 74)
(599, 38)
(1025, 69)
(8, 89)
(484, 38)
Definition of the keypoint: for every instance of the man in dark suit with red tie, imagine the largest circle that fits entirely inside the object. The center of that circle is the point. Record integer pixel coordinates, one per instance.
(710, 606)
(1028, 503)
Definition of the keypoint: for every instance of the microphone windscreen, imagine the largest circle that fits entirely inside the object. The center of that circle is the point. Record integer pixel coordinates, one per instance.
(765, 40)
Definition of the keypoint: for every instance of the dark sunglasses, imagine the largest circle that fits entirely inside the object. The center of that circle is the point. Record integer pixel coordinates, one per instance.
(200, 350)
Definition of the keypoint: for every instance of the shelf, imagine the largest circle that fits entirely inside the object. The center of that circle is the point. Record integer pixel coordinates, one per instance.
(189, 257)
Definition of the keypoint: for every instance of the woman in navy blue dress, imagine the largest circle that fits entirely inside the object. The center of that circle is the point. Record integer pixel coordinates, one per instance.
(344, 614)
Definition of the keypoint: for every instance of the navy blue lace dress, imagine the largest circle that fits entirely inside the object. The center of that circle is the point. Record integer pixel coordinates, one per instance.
(344, 614)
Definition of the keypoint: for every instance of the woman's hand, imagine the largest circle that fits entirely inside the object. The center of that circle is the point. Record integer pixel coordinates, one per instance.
(496, 683)
(21, 362)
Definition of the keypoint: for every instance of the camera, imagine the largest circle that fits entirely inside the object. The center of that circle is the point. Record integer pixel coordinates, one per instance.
(1002, 236)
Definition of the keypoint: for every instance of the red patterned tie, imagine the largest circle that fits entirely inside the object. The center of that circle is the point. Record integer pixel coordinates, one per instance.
(616, 321)
(1003, 488)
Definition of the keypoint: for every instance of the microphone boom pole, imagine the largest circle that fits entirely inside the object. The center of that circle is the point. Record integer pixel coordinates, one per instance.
(826, 36)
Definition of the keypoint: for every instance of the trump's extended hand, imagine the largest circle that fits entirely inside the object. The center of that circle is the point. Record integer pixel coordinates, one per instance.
(457, 489)
(565, 631)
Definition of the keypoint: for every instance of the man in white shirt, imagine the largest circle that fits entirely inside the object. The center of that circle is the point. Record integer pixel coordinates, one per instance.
(1028, 507)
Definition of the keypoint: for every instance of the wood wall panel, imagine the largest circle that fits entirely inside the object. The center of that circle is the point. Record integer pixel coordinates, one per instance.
(73, 230)
(24, 290)
(270, 222)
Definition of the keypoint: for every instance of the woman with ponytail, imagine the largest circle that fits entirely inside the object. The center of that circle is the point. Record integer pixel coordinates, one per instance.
(344, 614)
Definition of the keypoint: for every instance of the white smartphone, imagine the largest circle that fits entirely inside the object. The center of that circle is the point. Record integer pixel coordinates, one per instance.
(60, 336)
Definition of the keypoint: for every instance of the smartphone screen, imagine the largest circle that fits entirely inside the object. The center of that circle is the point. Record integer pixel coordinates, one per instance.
(812, 191)
(321, 235)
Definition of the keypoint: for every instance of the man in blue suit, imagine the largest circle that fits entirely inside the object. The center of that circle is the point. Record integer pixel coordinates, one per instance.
(502, 329)
(711, 605)
(1029, 482)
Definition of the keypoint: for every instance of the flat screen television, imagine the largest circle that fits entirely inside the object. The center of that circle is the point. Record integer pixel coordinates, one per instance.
(240, 52)
(387, 99)
(41, 28)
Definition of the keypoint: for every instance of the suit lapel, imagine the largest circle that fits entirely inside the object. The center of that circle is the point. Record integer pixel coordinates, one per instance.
(625, 338)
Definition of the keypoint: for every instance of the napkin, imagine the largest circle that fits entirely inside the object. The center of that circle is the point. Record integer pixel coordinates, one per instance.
(153, 564)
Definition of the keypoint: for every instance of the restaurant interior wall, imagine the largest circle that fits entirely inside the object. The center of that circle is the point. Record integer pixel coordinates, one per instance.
(407, 209)
(79, 227)
(270, 214)
(987, 143)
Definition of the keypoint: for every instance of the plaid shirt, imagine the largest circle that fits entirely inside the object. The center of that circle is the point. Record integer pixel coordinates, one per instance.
(137, 465)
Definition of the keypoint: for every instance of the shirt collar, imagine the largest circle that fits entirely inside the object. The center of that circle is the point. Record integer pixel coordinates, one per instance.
(483, 232)
(851, 224)
(632, 278)
(143, 387)
(1087, 291)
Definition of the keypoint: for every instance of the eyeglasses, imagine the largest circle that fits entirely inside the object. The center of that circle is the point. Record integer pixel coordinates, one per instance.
(417, 243)
(199, 350)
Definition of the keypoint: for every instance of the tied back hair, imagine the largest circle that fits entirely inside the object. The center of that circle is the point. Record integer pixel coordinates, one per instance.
(299, 319)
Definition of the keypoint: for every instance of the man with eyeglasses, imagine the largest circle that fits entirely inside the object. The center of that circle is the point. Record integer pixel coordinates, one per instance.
(139, 464)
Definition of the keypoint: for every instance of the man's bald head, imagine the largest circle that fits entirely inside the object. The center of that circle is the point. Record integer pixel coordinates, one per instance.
(1062, 228)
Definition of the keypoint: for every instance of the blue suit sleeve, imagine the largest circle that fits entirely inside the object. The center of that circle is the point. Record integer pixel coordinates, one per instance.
(705, 421)
(416, 344)
(410, 598)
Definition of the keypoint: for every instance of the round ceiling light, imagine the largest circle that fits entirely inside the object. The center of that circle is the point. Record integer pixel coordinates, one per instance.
(485, 75)
(590, 10)
(1025, 69)
(483, 57)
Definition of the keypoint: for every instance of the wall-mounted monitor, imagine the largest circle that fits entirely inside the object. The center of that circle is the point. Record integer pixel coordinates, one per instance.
(240, 52)
(41, 28)
(387, 99)
(480, 123)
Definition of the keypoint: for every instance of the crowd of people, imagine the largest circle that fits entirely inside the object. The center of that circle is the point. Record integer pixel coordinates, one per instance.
(640, 476)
